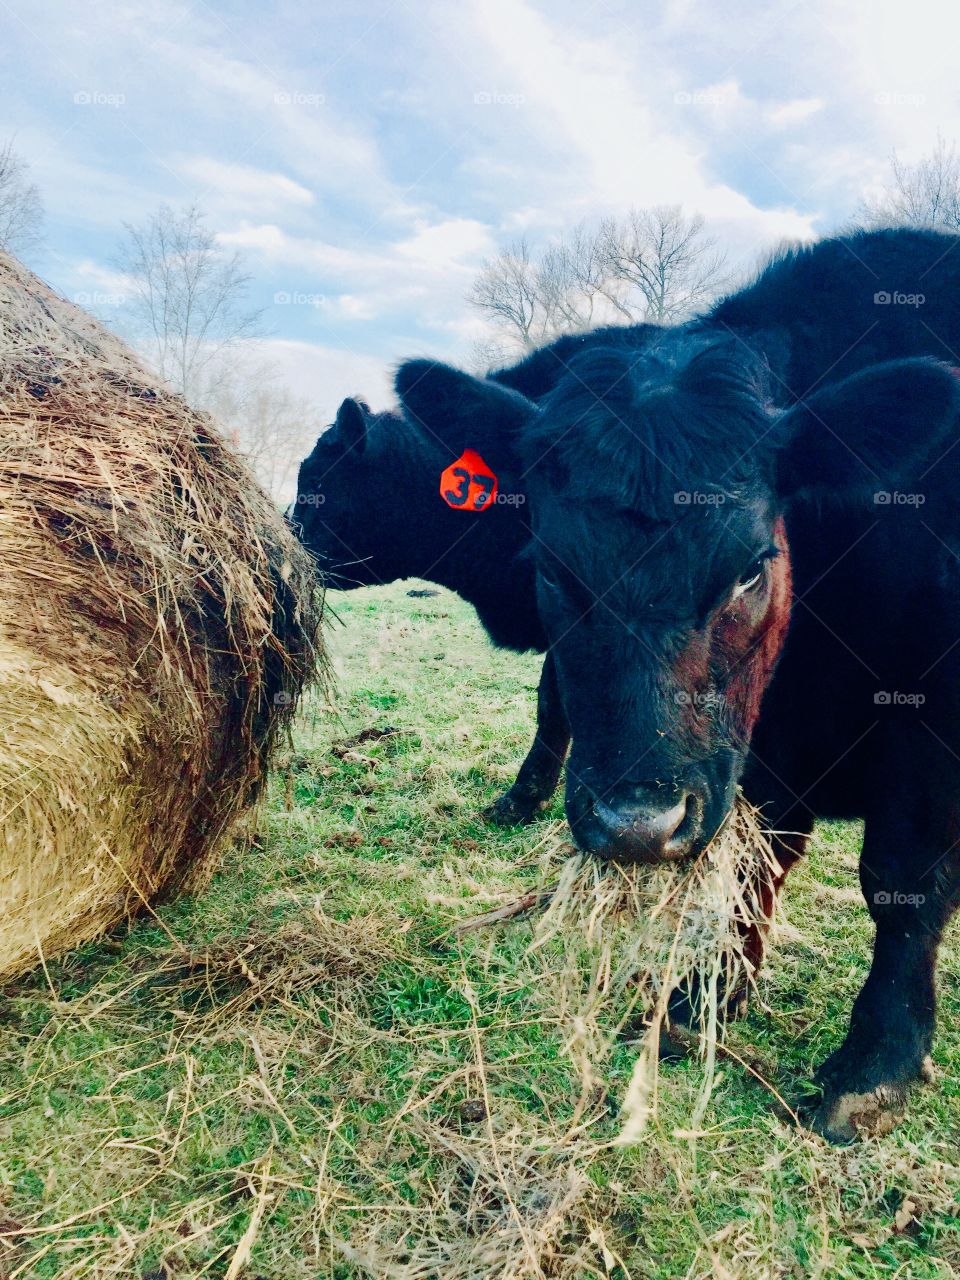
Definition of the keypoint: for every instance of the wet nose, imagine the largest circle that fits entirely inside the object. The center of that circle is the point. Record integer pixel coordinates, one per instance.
(649, 832)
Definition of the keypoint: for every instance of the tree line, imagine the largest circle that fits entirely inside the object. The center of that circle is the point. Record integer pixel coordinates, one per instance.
(186, 302)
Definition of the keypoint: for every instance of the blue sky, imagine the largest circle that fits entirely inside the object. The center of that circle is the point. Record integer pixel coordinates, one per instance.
(367, 156)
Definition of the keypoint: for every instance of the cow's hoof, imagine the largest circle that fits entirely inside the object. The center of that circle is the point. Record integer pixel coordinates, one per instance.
(843, 1118)
(676, 1043)
(511, 812)
(854, 1105)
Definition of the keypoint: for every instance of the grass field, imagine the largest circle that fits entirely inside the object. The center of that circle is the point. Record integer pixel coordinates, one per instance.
(305, 1073)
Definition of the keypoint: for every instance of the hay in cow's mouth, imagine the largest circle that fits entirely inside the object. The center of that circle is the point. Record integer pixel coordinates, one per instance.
(614, 943)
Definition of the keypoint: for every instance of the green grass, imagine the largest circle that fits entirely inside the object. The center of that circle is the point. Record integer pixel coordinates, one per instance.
(308, 1055)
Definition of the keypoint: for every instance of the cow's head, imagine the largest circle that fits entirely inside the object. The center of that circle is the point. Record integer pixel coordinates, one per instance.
(346, 494)
(657, 486)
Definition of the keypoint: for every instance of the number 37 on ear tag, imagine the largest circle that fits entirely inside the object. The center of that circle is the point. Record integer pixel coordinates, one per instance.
(468, 484)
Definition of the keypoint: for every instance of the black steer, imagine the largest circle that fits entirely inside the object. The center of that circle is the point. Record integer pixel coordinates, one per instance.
(369, 508)
(802, 427)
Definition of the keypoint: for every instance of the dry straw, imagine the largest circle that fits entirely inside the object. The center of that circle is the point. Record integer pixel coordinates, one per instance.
(157, 622)
(512, 1194)
(624, 939)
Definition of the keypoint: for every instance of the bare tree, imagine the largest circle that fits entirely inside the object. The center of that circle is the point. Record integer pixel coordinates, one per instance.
(664, 263)
(21, 211)
(188, 303)
(654, 264)
(925, 194)
(506, 293)
(273, 428)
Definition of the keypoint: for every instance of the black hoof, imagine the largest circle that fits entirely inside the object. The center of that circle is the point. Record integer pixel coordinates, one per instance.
(842, 1118)
(509, 811)
(861, 1097)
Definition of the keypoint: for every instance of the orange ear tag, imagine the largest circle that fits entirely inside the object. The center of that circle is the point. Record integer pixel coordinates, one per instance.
(468, 484)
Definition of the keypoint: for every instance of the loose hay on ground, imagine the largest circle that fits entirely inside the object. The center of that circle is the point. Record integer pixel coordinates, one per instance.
(515, 1198)
(614, 942)
(157, 622)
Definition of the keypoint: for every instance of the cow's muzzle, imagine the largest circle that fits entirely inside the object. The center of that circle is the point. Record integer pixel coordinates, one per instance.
(652, 827)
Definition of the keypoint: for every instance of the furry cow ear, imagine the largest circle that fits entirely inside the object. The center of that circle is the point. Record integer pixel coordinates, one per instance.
(869, 432)
(351, 425)
(461, 411)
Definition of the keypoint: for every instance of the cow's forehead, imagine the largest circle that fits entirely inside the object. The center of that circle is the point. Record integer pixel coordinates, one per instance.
(640, 434)
(700, 550)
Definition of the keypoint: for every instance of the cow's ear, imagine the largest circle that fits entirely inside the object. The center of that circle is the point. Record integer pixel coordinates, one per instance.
(351, 425)
(461, 411)
(869, 432)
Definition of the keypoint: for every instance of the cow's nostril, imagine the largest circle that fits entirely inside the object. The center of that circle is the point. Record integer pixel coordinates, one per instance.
(646, 834)
(688, 828)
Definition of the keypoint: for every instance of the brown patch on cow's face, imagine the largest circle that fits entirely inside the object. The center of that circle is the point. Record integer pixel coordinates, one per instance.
(727, 666)
(748, 637)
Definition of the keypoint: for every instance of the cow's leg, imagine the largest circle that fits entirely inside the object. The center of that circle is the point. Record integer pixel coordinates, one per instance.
(540, 772)
(910, 876)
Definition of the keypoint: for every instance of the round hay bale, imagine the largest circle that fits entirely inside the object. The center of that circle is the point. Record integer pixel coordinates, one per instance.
(157, 622)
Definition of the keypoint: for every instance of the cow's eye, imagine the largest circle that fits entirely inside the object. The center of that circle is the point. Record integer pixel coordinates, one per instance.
(750, 581)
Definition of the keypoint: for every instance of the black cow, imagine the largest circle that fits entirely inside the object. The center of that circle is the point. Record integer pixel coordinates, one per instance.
(369, 507)
(804, 426)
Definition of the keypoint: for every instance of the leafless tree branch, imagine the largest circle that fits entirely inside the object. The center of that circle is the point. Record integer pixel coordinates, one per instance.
(925, 194)
(654, 264)
(21, 210)
(188, 297)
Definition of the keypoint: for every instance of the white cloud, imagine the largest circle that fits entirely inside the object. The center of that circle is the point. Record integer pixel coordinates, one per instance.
(325, 374)
(795, 112)
(620, 150)
(419, 281)
(231, 189)
(447, 243)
